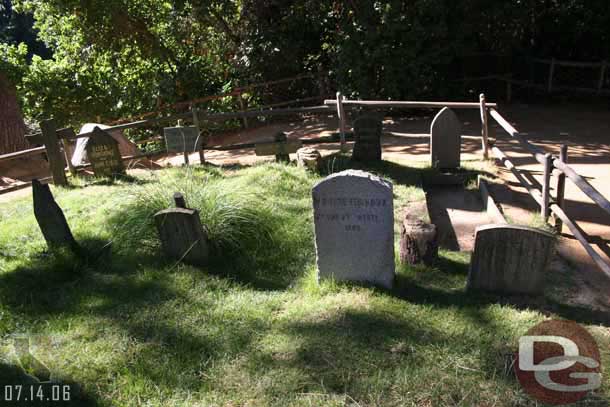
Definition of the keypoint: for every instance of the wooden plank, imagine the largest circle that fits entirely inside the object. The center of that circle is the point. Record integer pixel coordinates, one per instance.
(22, 154)
(54, 155)
(561, 186)
(536, 152)
(408, 104)
(546, 187)
(341, 115)
(599, 261)
(276, 148)
(508, 164)
(563, 62)
(584, 185)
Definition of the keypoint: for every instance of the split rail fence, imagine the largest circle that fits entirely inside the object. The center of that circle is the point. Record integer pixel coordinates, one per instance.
(557, 166)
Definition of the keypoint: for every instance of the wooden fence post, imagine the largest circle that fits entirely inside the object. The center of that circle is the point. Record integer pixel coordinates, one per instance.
(551, 73)
(195, 112)
(561, 184)
(243, 109)
(546, 187)
(54, 155)
(341, 115)
(484, 127)
(602, 74)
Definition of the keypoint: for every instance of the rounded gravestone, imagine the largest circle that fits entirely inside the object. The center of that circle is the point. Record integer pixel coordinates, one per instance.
(445, 140)
(354, 228)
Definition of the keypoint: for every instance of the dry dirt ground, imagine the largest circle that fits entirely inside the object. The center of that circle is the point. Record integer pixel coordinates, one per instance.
(405, 141)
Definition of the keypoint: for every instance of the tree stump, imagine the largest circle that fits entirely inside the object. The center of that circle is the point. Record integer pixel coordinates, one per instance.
(309, 158)
(418, 242)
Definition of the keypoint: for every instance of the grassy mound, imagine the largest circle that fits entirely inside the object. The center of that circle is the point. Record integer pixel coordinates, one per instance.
(254, 328)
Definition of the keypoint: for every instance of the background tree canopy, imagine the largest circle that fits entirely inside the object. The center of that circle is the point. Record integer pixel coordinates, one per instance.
(115, 58)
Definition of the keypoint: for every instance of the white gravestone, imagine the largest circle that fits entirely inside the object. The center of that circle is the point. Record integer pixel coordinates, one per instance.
(354, 228)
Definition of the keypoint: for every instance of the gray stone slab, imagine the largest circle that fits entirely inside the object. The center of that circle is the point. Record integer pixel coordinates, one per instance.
(354, 228)
(511, 259)
(183, 139)
(445, 140)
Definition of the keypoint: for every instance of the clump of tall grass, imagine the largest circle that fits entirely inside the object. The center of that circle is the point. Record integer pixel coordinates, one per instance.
(235, 220)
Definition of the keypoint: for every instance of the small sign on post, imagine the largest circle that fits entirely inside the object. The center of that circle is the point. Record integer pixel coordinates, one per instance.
(182, 139)
(104, 155)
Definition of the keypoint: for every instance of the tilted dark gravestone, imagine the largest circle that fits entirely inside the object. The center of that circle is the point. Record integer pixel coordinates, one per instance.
(367, 135)
(511, 259)
(354, 228)
(182, 235)
(104, 155)
(51, 219)
(445, 140)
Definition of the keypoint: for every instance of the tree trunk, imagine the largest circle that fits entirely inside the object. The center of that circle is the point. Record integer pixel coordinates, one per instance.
(12, 127)
(418, 243)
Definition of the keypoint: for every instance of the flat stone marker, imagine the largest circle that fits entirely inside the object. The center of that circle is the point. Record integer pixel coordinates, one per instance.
(510, 259)
(182, 236)
(51, 219)
(354, 228)
(445, 140)
(182, 139)
(367, 134)
(103, 154)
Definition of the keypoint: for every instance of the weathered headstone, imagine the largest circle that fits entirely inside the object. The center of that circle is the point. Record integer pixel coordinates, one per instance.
(445, 140)
(354, 228)
(51, 219)
(182, 139)
(367, 135)
(182, 235)
(309, 158)
(103, 154)
(510, 258)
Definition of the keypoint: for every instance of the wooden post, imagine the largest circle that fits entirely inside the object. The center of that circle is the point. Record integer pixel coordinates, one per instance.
(243, 109)
(561, 185)
(546, 187)
(54, 156)
(602, 73)
(484, 127)
(551, 73)
(179, 200)
(196, 124)
(341, 115)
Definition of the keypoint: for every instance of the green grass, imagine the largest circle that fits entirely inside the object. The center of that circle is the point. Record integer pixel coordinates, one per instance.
(254, 328)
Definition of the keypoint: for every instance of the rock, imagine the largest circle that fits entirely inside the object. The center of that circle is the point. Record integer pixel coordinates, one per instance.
(354, 228)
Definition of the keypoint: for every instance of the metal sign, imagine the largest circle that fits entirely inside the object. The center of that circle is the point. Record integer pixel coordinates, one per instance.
(184, 139)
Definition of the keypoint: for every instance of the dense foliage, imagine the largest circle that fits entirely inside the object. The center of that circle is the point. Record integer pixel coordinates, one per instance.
(119, 57)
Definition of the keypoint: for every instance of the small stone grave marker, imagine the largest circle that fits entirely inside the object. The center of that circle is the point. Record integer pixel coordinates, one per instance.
(510, 259)
(182, 139)
(182, 235)
(367, 135)
(445, 140)
(103, 154)
(281, 147)
(51, 219)
(354, 228)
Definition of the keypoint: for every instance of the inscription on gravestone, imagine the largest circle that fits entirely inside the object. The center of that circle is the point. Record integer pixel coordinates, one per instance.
(103, 154)
(354, 228)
